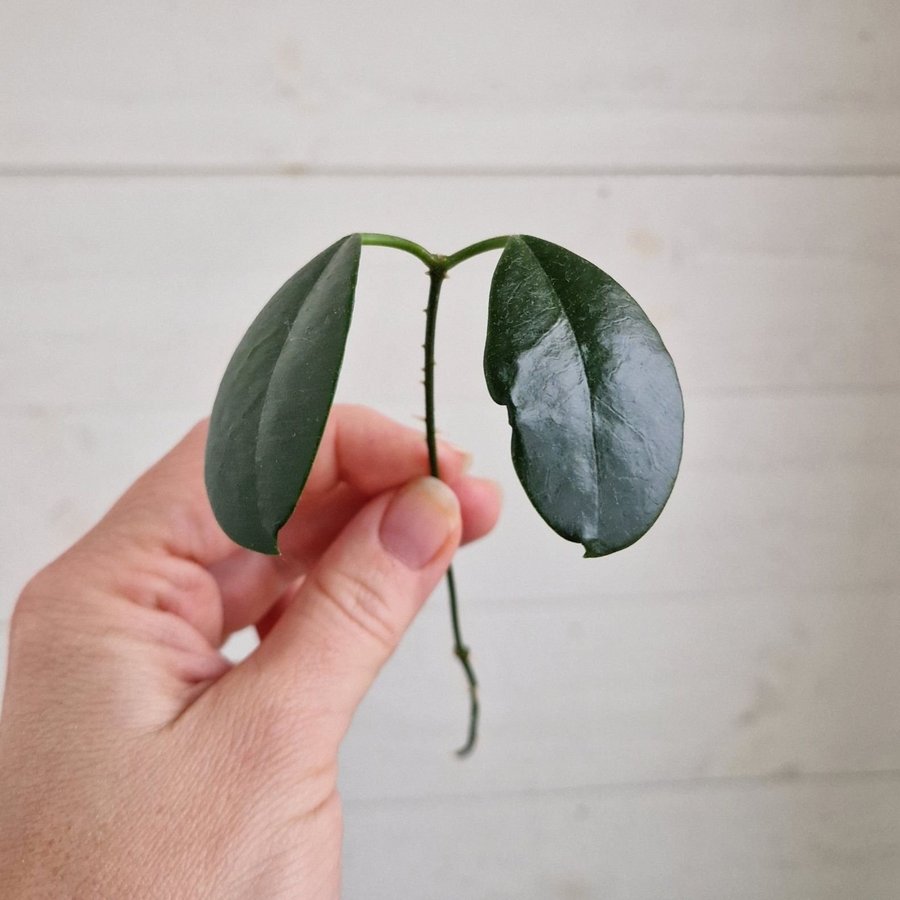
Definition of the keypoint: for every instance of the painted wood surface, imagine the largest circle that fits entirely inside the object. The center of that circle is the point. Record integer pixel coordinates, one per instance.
(740, 663)
(573, 85)
(820, 840)
(710, 713)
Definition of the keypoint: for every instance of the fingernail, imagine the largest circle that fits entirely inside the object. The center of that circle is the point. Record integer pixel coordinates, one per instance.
(418, 522)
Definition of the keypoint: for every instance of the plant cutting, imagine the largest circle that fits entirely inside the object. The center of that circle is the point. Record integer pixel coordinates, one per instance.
(591, 392)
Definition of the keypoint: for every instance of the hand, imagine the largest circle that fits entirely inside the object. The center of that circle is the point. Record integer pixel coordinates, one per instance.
(135, 761)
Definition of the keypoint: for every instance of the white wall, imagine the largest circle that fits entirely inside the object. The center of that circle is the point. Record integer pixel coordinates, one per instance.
(711, 713)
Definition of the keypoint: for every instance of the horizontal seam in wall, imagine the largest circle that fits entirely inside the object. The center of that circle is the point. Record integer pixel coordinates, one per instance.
(580, 792)
(301, 171)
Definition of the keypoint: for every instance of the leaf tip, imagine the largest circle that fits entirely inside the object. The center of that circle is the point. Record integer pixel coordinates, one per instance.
(596, 549)
(269, 549)
(258, 541)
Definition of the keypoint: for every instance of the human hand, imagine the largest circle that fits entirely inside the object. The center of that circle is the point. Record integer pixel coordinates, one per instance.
(135, 761)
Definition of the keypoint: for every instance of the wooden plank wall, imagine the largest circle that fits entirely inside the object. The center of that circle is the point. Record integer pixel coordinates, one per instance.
(711, 713)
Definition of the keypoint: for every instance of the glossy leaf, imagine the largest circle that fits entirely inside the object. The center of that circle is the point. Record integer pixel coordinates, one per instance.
(592, 395)
(270, 412)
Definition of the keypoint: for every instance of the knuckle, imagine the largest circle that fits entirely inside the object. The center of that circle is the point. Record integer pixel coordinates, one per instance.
(54, 605)
(33, 604)
(360, 599)
(36, 621)
(52, 589)
(24, 620)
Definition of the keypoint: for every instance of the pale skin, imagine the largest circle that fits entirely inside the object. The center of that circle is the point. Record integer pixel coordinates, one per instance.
(135, 761)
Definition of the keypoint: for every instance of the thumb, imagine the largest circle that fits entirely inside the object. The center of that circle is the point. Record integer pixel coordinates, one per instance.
(350, 612)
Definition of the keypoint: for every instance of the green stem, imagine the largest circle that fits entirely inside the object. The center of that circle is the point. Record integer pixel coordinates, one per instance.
(494, 243)
(436, 277)
(398, 243)
(438, 266)
(433, 260)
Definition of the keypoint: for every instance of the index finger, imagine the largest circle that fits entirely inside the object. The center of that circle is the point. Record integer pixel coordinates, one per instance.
(166, 514)
(167, 509)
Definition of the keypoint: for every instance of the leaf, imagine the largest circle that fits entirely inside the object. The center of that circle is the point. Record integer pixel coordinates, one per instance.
(270, 411)
(592, 395)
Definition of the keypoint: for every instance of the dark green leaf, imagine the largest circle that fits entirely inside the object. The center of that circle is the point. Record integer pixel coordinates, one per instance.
(592, 395)
(271, 408)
